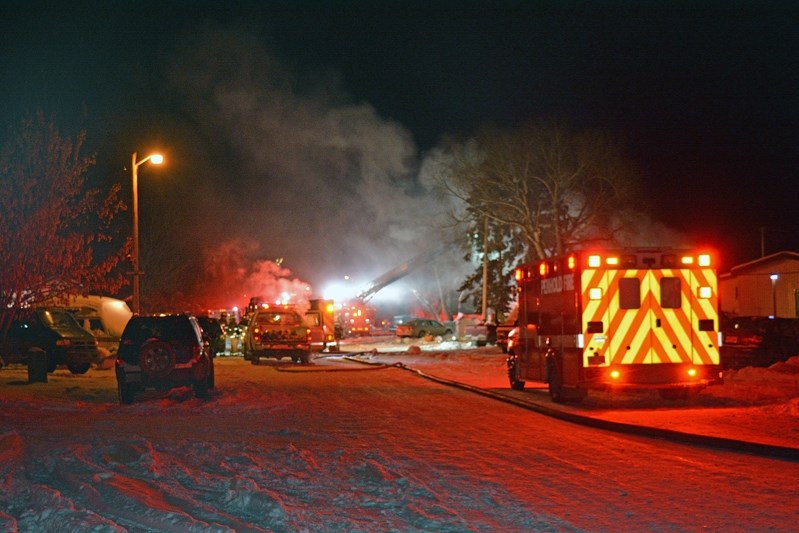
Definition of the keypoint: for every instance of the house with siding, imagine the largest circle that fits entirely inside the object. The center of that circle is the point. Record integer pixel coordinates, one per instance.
(768, 286)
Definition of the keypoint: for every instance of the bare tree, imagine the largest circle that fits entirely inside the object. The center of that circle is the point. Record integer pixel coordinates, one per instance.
(56, 234)
(557, 187)
(532, 193)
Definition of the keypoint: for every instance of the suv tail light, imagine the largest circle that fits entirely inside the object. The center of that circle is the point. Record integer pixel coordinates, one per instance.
(196, 353)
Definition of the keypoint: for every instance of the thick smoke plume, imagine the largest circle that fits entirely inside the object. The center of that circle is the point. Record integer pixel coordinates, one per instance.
(232, 278)
(320, 181)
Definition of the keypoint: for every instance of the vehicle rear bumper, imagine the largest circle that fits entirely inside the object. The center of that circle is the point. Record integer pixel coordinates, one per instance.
(185, 374)
(653, 376)
(281, 350)
(82, 356)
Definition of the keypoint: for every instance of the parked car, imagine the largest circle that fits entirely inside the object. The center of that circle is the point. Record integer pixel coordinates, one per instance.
(758, 341)
(163, 352)
(215, 331)
(421, 327)
(397, 320)
(54, 331)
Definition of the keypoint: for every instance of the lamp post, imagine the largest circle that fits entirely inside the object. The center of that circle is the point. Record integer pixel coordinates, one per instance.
(156, 159)
(774, 278)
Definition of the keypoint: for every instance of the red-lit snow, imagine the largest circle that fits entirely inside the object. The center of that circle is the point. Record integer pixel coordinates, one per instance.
(339, 446)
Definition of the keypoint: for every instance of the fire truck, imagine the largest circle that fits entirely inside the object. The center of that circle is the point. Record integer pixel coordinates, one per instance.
(355, 319)
(621, 319)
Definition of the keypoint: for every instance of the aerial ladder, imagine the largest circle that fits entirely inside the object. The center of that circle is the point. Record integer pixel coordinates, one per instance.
(398, 273)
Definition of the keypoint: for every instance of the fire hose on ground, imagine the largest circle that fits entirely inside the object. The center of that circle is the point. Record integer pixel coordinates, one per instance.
(721, 443)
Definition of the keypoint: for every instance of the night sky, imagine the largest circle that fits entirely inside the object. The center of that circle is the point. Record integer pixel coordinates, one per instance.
(301, 130)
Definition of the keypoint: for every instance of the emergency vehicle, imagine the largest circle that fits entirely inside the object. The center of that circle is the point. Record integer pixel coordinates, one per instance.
(355, 319)
(622, 319)
(320, 319)
(318, 316)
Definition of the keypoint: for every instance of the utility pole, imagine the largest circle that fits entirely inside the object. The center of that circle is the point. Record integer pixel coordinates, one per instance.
(485, 268)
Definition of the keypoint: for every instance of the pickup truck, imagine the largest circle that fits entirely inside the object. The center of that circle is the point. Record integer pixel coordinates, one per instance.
(277, 332)
(54, 331)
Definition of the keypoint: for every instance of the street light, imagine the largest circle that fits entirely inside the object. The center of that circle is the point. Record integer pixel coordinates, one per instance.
(774, 278)
(155, 159)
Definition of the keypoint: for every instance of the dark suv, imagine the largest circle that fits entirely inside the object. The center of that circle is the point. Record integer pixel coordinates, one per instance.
(163, 352)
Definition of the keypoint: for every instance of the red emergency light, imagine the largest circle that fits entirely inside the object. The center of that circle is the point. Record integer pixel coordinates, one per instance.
(543, 269)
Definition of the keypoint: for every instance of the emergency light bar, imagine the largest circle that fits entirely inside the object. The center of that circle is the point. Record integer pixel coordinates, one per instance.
(623, 259)
(647, 259)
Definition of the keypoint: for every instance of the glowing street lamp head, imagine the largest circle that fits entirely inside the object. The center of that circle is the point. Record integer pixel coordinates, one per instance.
(155, 159)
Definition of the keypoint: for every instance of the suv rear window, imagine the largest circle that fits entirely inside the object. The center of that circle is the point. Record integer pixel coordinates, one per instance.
(165, 328)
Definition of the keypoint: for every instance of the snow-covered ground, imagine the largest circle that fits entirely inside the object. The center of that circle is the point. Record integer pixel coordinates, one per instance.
(282, 447)
(758, 405)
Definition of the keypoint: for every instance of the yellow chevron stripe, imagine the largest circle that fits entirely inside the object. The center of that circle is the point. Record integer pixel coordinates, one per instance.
(675, 340)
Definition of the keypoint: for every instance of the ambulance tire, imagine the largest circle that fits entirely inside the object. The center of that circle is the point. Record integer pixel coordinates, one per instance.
(557, 391)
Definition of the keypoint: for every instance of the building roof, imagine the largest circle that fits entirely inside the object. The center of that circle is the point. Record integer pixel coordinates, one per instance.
(761, 262)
